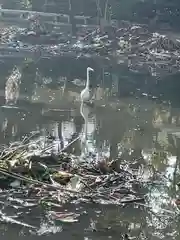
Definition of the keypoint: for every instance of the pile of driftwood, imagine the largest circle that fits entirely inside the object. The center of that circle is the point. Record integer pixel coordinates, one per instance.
(131, 45)
(31, 175)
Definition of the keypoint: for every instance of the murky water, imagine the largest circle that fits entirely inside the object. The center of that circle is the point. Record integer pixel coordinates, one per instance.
(142, 134)
(129, 122)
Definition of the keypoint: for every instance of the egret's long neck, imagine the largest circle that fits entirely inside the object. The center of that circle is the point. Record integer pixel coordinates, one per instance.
(87, 81)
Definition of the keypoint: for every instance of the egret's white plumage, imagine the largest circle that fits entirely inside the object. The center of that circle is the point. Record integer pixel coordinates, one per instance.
(86, 93)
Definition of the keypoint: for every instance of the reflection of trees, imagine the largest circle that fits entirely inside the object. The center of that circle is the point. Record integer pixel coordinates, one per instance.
(28, 79)
(16, 124)
(115, 127)
(162, 163)
(131, 220)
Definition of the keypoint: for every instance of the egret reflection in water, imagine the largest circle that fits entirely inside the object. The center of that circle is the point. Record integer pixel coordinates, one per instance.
(88, 145)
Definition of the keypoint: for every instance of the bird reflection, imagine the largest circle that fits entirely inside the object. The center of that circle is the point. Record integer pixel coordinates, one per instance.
(88, 130)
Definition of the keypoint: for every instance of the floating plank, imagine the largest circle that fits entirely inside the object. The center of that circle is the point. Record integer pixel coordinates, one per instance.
(46, 14)
(10, 106)
(14, 108)
(14, 11)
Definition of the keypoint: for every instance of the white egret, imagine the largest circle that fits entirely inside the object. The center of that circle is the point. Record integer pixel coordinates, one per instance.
(86, 93)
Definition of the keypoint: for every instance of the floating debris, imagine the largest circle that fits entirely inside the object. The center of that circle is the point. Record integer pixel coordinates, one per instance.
(133, 45)
(84, 180)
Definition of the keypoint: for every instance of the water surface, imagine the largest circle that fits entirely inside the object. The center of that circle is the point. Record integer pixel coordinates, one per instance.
(142, 134)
